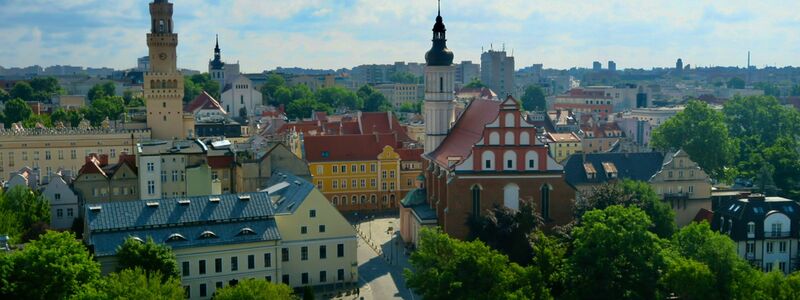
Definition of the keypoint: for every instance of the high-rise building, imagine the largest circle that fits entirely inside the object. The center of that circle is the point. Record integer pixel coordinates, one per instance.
(497, 72)
(679, 65)
(612, 66)
(597, 66)
(439, 88)
(163, 83)
(143, 63)
(467, 71)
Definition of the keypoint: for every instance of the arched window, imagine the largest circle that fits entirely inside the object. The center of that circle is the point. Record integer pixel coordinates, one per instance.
(509, 160)
(545, 207)
(511, 196)
(373, 199)
(164, 104)
(353, 200)
(335, 200)
(391, 199)
(509, 140)
(176, 237)
(510, 120)
(488, 160)
(207, 235)
(246, 231)
(524, 138)
(476, 201)
(494, 138)
(363, 199)
(530, 160)
(161, 26)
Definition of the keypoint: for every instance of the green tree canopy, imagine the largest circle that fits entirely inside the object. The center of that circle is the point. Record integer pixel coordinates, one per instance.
(405, 77)
(133, 284)
(4, 95)
(615, 255)
(303, 108)
(102, 90)
(338, 97)
(274, 81)
(196, 84)
(508, 231)
(56, 266)
(631, 193)
(701, 132)
(16, 110)
(534, 99)
(373, 100)
(474, 84)
(255, 289)
(22, 90)
(736, 83)
(28, 208)
(44, 88)
(149, 256)
(60, 115)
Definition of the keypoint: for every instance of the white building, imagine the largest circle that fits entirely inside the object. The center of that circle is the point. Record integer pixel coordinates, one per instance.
(240, 98)
(439, 89)
(63, 202)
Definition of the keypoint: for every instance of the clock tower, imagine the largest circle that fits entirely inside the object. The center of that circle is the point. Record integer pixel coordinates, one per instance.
(163, 83)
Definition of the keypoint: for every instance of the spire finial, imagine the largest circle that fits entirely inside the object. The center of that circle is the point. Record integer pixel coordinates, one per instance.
(439, 13)
(217, 40)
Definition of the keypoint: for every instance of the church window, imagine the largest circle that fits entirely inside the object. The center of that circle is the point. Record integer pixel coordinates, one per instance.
(524, 138)
(509, 120)
(165, 118)
(509, 139)
(241, 99)
(476, 201)
(494, 138)
(511, 196)
(531, 158)
(510, 158)
(545, 202)
(488, 160)
(441, 84)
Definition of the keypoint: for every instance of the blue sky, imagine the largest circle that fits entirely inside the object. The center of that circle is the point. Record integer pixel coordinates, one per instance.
(264, 34)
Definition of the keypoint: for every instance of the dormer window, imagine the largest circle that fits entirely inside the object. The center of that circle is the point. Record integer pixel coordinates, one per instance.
(610, 169)
(246, 231)
(591, 173)
(176, 237)
(208, 235)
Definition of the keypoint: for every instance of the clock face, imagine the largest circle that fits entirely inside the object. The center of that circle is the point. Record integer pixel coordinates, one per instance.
(162, 56)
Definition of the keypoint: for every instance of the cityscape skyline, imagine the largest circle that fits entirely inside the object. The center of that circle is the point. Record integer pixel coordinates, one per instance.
(268, 34)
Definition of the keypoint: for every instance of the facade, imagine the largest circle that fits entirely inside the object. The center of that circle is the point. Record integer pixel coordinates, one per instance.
(684, 185)
(286, 233)
(240, 98)
(497, 72)
(53, 149)
(63, 202)
(466, 72)
(599, 136)
(163, 83)
(254, 169)
(439, 86)
(492, 157)
(562, 145)
(99, 181)
(764, 230)
(579, 100)
(399, 93)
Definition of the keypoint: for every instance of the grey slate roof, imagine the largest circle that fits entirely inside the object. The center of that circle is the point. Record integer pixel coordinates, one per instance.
(287, 191)
(634, 166)
(754, 209)
(169, 212)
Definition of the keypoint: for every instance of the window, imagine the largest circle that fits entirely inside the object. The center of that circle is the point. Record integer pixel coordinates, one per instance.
(509, 139)
(202, 290)
(750, 248)
(201, 267)
(476, 201)
(323, 253)
(353, 168)
(251, 262)
(323, 276)
(373, 199)
(335, 200)
(268, 278)
(391, 174)
(383, 174)
(488, 160)
(782, 247)
(782, 266)
(219, 284)
(510, 157)
(335, 184)
(770, 247)
(234, 263)
(74, 154)
(321, 228)
(304, 253)
(47, 155)
(267, 260)
(363, 168)
(284, 254)
(372, 168)
(319, 184)
(373, 182)
(303, 229)
(340, 250)
(150, 166)
(312, 213)
(187, 291)
(344, 184)
(776, 229)
(545, 202)
(218, 265)
(185, 267)
(60, 213)
(751, 229)
(174, 175)
(163, 176)
(340, 274)
(285, 279)
(335, 169)
(494, 138)
(304, 278)
(363, 183)
(70, 212)
(511, 196)
(354, 184)
(151, 187)
(343, 168)
(768, 267)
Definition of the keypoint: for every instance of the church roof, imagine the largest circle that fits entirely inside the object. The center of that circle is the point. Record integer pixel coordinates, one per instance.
(203, 101)
(467, 131)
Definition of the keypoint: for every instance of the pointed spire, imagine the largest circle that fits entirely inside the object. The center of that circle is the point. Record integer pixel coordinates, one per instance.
(440, 9)
(216, 49)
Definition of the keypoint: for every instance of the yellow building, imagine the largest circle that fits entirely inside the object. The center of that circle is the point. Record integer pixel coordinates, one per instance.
(62, 148)
(562, 145)
(684, 185)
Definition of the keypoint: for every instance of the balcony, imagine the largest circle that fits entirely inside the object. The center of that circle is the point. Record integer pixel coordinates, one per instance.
(777, 234)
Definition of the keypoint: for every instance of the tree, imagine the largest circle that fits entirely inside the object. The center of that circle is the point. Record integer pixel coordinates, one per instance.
(534, 99)
(687, 278)
(29, 207)
(736, 83)
(338, 97)
(110, 107)
(631, 193)
(34, 120)
(550, 259)
(54, 267)
(508, 231)
(101, 90)
(4, 95)
(615, 255)
(404, 77)
(303, 108)
(255, 289)
(373, 100)
(60, 115)
(795, 90)
(474, 84)
(702, 133)
(149, 256)
(446, 268)
(730, 273)
(769, 88)
(45, 88)
(274, 81)
(22, 90)
(282, 96)
(17, 110)
(133, 284)
(74, 117)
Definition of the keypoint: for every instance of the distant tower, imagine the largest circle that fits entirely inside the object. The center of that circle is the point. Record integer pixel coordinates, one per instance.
(216, 68)
(612, 66)
(597, 66)
(679, 65)
(163, 83)
(641, 98)
(439, 88)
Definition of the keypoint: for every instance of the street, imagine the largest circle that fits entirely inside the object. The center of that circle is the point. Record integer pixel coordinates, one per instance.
(381, 275)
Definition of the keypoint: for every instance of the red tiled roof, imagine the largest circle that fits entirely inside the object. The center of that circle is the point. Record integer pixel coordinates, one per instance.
(410, 154)
(467, 131)
(92, 166)
(322, 148)
(704, 215)
(203, 101)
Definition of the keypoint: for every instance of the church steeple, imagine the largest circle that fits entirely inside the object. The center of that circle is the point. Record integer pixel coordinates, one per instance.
(217, 63)
(439, 55)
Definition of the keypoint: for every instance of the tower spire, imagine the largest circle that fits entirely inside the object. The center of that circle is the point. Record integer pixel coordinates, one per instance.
(217, 42)
(439, 13)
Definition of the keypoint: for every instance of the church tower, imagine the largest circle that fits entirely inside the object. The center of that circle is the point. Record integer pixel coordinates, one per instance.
(216, 68)
(163, 83)
(439, 88)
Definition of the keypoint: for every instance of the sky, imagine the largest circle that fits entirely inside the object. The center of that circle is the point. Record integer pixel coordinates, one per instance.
(332, 34)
